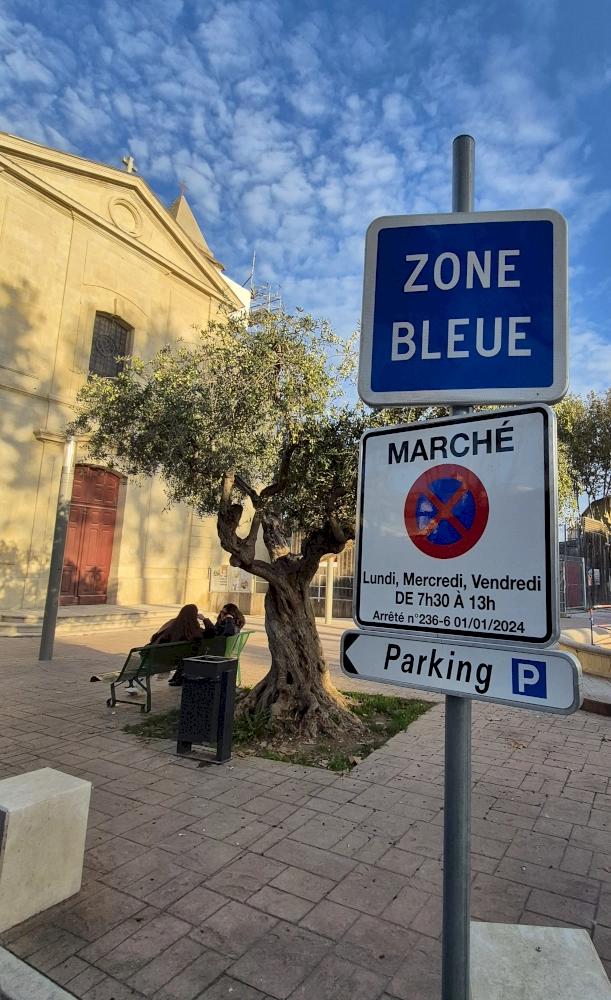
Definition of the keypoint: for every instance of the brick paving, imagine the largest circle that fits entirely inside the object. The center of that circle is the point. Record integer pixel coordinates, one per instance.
(260, 880)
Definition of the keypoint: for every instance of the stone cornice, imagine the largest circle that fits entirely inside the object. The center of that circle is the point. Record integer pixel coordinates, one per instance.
(42, 434)
(219, 290)
(54, 437)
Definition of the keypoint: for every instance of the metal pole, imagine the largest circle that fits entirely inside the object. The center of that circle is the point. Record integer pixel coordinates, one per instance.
(329, 592)
(49, 622)
(463, 173)
(455, 971)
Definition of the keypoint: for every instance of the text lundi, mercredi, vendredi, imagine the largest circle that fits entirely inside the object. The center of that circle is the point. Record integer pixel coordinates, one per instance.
(479, 582)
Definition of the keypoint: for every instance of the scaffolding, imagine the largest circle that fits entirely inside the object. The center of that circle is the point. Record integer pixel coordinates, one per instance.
(263, 296)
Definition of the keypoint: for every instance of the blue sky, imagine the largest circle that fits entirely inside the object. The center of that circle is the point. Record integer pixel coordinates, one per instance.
(296, 124)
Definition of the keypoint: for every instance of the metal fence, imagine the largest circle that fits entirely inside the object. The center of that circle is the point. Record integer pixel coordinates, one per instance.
(343, 577)
(585, 565)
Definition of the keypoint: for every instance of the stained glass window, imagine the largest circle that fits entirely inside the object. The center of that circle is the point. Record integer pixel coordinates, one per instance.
(110, 341)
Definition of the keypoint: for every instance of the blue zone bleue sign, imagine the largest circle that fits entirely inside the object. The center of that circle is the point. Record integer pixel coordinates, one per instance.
(465, 307)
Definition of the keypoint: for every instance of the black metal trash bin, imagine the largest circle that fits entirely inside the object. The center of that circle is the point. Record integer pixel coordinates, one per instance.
(207, 704)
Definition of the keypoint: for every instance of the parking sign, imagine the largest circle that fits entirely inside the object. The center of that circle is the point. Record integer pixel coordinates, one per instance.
(550, 683)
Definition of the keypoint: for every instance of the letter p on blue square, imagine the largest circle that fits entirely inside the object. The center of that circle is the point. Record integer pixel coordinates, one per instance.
(528, 678)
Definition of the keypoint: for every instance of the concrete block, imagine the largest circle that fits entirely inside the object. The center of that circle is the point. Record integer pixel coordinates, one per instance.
(519, 962)
(43, 823)
(19, 981)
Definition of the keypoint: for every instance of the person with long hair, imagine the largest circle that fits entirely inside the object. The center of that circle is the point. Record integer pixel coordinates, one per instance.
(183, 628)
(230, 621)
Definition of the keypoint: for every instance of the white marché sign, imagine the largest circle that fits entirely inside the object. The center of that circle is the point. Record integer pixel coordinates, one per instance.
(457, 528)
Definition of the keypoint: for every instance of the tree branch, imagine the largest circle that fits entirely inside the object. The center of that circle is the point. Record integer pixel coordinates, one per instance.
(283, 472)
(264, 570)
(227, 487)
(242, 550)
(229, 516)
(273, 536)
(336, 528)
(331, 538)
(249, 491)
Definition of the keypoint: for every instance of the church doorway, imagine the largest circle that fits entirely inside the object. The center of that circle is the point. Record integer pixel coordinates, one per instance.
(91, 528)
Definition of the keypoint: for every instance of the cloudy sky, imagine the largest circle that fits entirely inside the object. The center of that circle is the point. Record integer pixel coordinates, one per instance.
(296, 124)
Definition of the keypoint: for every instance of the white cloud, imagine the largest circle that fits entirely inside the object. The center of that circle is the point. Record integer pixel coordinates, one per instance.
(27, 70)
(312, 99)
(590, 367)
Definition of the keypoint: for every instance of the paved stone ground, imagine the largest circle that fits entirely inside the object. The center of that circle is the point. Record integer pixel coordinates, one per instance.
(260, 880)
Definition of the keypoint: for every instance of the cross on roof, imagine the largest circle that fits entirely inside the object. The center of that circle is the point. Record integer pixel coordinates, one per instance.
(130, 166)
(183, 187)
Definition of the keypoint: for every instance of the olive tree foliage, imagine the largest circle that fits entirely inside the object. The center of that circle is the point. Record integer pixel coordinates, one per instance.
(584, 434)
(254, 410)
(228, 405)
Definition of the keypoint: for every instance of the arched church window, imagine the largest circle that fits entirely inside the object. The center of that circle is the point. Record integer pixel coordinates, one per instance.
(111, 337)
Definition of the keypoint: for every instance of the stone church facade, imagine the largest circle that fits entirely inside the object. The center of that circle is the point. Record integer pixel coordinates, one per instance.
(92, 265)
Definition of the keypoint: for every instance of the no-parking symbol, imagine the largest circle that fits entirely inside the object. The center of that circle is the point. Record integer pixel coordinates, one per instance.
(446, 511)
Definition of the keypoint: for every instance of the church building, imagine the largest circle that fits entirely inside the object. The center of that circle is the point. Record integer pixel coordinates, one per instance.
(93, 266)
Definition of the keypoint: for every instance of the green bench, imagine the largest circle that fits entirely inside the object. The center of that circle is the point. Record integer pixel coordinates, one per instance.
(144, 661)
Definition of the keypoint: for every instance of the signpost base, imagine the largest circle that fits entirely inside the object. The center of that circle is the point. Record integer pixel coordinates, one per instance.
(517, 962)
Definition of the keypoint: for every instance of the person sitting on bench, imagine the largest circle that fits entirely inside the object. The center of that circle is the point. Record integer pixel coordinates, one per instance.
(229, 622)
(183, 628)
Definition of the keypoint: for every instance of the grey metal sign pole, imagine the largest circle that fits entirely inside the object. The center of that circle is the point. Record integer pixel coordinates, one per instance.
(455, 973)
(49, 622)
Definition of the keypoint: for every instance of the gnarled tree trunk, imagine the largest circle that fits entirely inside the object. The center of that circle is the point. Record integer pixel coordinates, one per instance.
(298, 691)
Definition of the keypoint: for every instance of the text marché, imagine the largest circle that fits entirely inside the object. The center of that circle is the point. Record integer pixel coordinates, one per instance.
(459, 445)
(447, 271)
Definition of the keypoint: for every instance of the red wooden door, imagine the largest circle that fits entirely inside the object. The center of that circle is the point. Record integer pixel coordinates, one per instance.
(91, 527)
(70, 576)
(96, 553)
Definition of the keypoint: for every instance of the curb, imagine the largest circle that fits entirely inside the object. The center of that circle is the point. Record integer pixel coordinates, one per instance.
(597, 707)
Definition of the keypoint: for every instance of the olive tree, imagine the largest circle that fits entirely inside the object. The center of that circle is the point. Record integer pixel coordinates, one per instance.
(253, 410)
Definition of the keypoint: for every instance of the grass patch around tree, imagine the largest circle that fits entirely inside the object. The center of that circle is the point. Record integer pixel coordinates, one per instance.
(383, 716)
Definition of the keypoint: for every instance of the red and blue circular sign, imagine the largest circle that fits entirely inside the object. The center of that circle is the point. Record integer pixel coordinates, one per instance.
(446, 511)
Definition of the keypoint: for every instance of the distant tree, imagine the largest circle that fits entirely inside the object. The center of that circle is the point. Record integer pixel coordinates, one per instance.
(568, 498)
(584, 433)
(255, 411)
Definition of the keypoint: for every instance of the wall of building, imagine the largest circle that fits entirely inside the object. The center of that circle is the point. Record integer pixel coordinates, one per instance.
(57, 269)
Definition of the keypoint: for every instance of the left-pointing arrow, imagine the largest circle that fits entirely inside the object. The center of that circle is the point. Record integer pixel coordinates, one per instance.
(349, 667)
